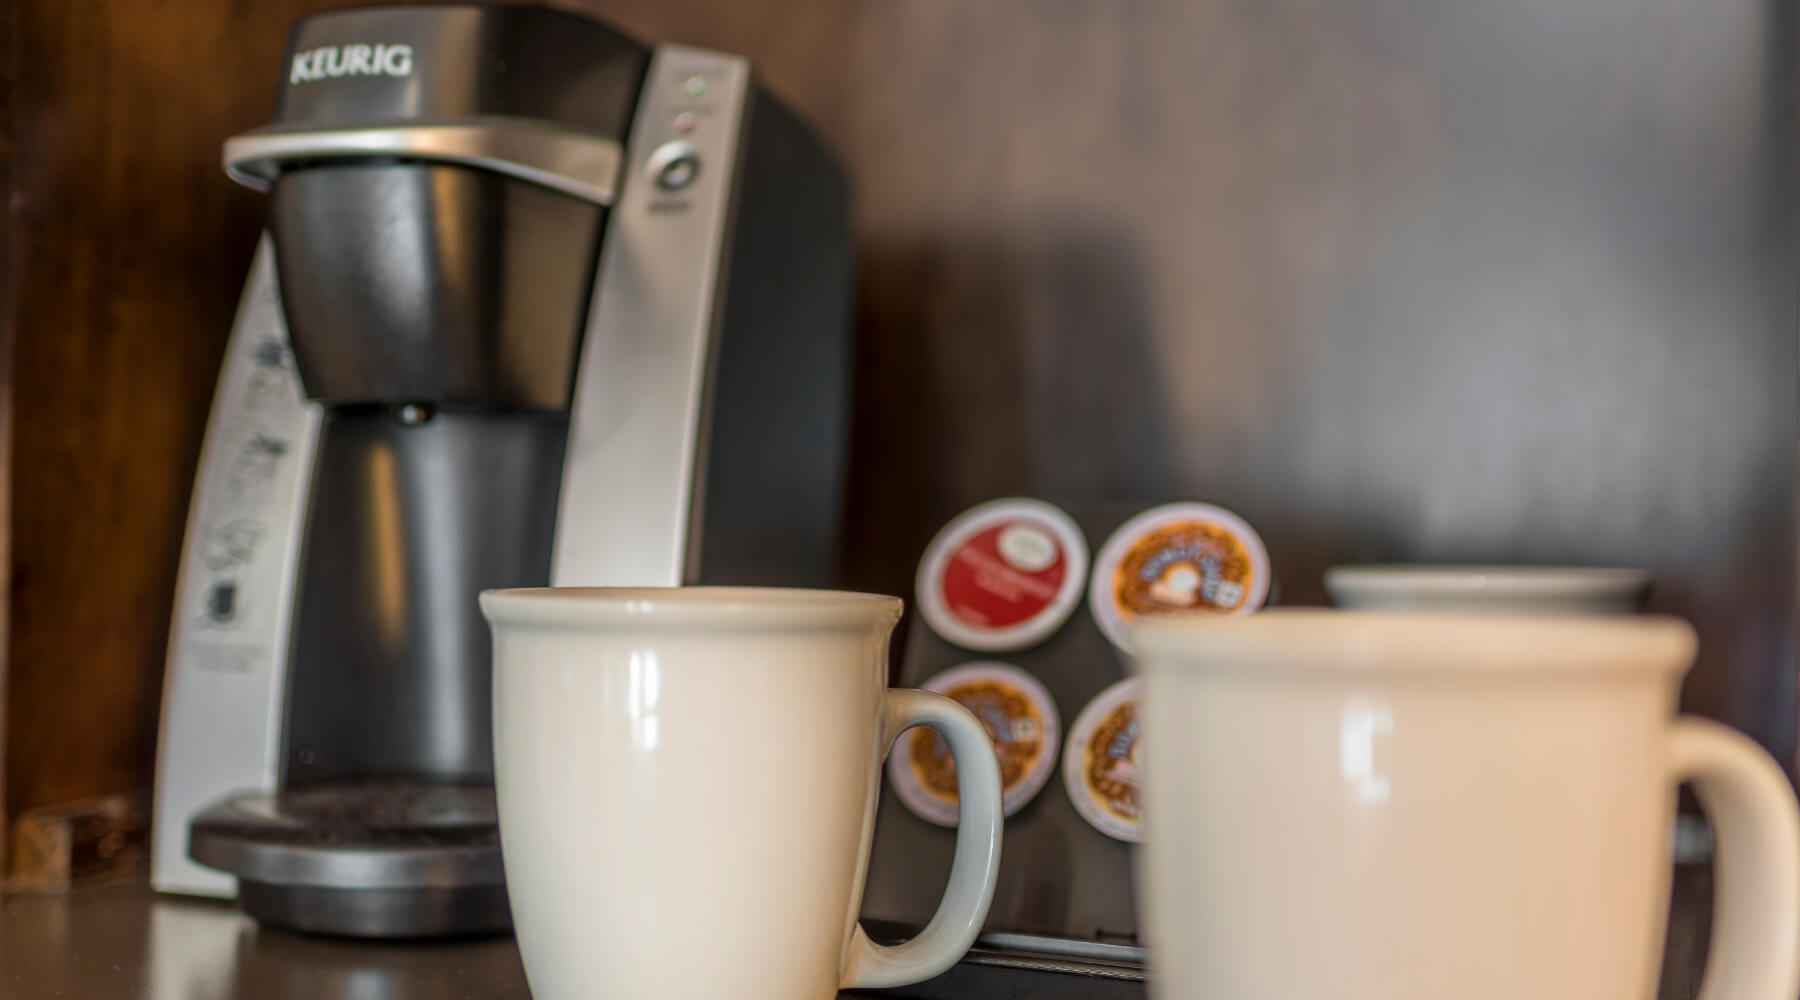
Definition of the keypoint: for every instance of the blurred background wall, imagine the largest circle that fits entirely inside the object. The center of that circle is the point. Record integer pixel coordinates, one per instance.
(1396, 280)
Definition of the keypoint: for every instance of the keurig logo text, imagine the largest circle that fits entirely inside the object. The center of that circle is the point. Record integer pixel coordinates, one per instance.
(351, 60)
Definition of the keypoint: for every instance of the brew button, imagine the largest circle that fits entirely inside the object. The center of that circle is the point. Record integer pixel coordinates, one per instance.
(678, 172)
(685, 122)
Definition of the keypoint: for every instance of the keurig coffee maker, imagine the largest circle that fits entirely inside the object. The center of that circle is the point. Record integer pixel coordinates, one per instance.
(534, 305)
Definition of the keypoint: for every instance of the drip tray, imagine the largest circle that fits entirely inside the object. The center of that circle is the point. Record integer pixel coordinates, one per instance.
(365, 859)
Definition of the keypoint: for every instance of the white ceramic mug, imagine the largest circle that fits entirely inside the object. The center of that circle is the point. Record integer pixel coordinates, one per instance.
(687, 782)
(1371, 806)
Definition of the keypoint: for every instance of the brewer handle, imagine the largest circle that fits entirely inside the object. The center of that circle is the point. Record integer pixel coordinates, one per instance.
(976, 866)
(1755, 949)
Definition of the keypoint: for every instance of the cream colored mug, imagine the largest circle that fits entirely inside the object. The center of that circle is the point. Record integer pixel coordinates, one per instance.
(687, 781)
(1376, 806)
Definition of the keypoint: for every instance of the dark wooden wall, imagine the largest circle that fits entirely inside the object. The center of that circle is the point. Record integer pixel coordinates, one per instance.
(128, 255)
(1403, 279)
(1435, 281)
(9, 58)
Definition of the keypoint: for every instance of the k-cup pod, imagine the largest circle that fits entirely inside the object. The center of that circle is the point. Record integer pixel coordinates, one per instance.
(1177, 559)
(1100, 761)
(1021, 719)
(1003, 576)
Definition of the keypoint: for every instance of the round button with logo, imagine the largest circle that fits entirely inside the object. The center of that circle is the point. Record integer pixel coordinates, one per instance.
(674, 166)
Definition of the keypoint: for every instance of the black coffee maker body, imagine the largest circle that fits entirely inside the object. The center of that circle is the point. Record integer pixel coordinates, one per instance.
(535, 305)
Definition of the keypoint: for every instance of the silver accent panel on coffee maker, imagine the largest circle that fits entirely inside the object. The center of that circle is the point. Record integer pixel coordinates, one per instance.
(563, 159)
(228, 640)
(631, 488)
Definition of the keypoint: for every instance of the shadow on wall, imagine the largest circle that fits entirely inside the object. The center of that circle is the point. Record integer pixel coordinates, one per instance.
(990, 368)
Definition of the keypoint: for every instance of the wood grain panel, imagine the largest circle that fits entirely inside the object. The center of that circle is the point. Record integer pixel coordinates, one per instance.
(9, 58)
(130, 248)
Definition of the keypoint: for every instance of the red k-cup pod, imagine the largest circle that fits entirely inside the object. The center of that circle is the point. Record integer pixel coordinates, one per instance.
(1003, 576)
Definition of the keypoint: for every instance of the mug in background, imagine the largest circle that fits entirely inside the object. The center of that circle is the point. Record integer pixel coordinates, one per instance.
(1501, 590)
(1373, 806)
(687, 781)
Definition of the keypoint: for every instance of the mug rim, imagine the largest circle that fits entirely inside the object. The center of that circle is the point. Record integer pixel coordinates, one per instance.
(652, 606)
(1568, 581)
(1331, 640)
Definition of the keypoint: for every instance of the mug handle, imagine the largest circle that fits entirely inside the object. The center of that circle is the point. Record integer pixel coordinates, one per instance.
(976, 866)
(1755, 949)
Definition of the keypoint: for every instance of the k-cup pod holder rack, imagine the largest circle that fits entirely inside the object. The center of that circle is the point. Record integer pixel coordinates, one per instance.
(1066, 900)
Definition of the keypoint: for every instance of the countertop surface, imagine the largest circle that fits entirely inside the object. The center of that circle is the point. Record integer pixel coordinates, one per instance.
(127, 943)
